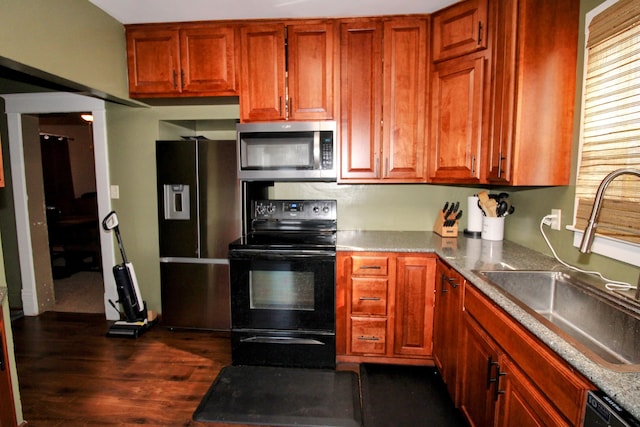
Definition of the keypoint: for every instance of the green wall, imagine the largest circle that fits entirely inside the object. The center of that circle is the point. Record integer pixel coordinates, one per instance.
(70, 39)
(131, 134)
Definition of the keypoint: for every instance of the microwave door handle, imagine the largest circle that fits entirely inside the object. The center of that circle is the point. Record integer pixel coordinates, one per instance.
(316, 150)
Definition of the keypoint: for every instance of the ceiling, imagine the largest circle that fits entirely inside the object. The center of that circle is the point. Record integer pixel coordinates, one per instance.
(145, 11)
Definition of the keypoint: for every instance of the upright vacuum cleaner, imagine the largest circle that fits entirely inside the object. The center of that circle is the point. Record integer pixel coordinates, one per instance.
(134, 319)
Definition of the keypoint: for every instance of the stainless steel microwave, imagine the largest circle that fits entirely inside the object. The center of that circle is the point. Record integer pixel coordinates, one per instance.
(287, 151)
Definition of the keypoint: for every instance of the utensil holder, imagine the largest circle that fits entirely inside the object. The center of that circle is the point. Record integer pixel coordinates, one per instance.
(440, 229)
(493, 228)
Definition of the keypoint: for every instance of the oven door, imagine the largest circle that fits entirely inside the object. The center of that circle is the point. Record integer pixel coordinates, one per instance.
(283, 290)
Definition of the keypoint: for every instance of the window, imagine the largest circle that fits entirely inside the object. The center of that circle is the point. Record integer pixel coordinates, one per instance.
(611, 123)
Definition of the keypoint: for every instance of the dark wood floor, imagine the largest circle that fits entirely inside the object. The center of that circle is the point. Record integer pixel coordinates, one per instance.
(71, 375)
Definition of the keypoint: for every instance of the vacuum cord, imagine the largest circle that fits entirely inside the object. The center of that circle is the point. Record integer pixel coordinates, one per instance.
(612, 285)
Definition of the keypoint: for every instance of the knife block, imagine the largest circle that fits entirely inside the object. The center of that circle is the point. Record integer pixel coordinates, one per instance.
(440, 229)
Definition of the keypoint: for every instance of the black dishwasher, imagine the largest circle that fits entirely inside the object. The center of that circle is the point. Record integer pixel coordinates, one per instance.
(604, 411)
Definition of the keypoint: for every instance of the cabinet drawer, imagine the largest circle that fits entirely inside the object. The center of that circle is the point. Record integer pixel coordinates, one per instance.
(369, 296)
(370, 265)
(368, 335)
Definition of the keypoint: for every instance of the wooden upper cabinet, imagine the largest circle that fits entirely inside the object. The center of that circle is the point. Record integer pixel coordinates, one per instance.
(383, 99)
(186, 60)
(361, 99)
(262, 85)
(207, 57)
(153, 57)
(405, 99)
(457, 111)
(460, 29)
(534, 92)
(311, 59)
(271, 52)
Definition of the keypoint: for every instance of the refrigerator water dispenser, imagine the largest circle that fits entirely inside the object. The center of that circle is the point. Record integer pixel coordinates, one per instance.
(176, 202)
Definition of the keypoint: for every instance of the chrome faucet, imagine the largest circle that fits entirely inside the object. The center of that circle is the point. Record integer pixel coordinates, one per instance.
(589, 231)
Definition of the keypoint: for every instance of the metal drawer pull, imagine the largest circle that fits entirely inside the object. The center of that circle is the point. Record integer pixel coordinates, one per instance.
(370, 267)
(369, 299)
(363, 338)
(490, 365)
(497, 392)
(452, 281)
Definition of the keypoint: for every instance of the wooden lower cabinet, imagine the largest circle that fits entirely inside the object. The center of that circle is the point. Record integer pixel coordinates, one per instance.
(448, 316)
(507, 377)
(7, 413)
(479, 360)
(384, 308)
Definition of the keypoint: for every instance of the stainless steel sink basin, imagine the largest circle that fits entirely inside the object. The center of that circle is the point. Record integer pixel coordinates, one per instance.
(605, 329)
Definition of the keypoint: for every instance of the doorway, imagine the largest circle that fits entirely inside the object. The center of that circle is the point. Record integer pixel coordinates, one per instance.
(70, 199)
(20, 110)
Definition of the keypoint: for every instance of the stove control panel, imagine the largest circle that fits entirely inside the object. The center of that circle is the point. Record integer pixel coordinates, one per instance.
(295, 209)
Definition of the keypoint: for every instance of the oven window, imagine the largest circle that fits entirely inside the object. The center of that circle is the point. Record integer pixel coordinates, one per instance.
(281, 290)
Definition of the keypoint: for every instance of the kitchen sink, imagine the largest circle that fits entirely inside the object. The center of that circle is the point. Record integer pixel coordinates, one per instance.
(604, 328)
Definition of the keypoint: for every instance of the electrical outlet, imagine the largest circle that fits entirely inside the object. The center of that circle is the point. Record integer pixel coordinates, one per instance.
(557, 220)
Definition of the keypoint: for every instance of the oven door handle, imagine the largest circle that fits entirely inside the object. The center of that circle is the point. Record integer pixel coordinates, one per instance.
(280, 255)
(282, 340)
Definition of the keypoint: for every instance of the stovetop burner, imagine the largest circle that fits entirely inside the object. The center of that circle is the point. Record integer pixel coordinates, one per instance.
(291, 225)
(285, 240)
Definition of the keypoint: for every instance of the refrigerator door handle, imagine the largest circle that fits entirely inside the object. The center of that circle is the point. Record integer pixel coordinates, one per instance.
(186, 260)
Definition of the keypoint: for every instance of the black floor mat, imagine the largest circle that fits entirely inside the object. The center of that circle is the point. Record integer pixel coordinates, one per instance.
(408, 396)
(283, 397)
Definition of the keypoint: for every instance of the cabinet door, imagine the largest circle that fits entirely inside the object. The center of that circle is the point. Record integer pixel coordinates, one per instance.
(404, 105)
(535, 71)
(208, 60)
(520, 403)
(448, 310)
(7, 413)
(262, 89)
(456, 120)
(415, 279)
(460, 29)
(310, 62)
(361, 99)
(479, 363)
(154, 61)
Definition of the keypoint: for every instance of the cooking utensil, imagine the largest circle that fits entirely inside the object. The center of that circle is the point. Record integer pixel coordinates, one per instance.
(502, 208)
(488, 205)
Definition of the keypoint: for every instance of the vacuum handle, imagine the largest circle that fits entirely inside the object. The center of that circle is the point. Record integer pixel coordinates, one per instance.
(110, 222)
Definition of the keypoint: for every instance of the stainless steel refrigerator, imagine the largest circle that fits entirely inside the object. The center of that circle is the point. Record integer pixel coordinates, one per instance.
(199, 214)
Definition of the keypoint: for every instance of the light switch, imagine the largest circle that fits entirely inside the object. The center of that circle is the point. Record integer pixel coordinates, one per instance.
(115, 191)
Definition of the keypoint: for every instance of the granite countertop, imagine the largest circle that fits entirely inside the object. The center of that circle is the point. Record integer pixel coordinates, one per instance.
(468, 255)
(3, 294)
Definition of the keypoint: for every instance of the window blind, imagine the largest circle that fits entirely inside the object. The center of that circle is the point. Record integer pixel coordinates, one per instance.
(611, 123)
